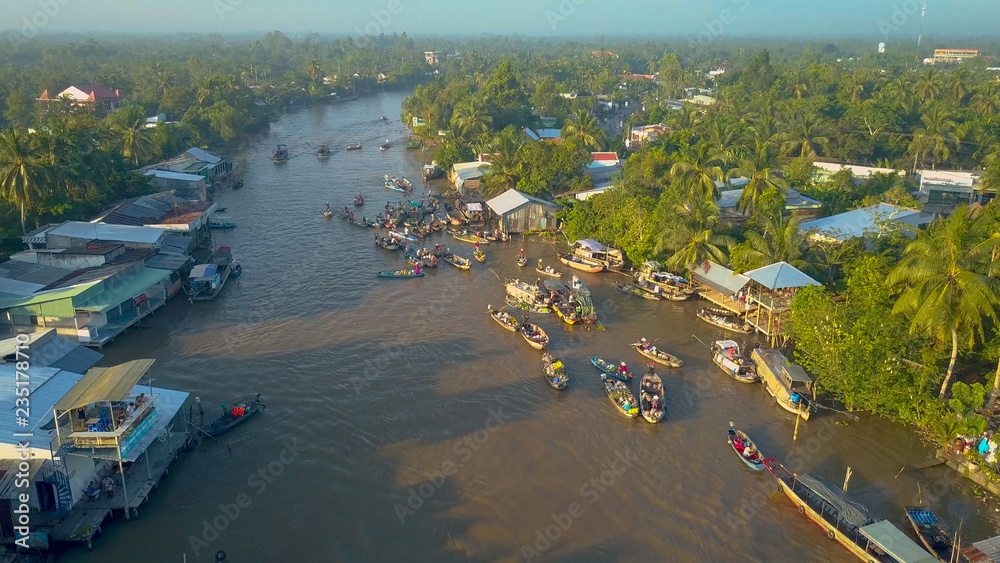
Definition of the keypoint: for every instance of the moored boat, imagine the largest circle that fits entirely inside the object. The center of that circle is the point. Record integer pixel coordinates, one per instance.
(932, 533)
(611, 259)
(621, 396)
(658, 356)
(403, 236)
(726, 354)
(457, 261)
(504, 319)
(633, 290)
(206, 280)
(667, 281)
(554, 371)
(786, 382)
(534, 336)
(729, 323)
(401, 274)
(582, 264)
(846, 520)
(652, 397)
(528, 306)
(220, 221)
(467, 236)
(612, 370)
(230, 418)
(581, 295)
(745, 448)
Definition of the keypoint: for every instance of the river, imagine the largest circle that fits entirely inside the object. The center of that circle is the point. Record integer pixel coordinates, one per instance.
(402, 424)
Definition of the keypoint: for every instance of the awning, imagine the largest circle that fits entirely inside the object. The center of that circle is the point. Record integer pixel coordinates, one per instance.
(719, 278)
(203, 272)
(895, 543)
(591, 244)
(104, 384)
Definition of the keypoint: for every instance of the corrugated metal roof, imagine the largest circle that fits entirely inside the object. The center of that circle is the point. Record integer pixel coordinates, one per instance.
(31, 273)
(171, 262)
(47, 349)
(719, 277)
(104, 384)
(106, 232)
(781, 275)
(204, 155)
(169, 175)
(512, 199)
(859, 222)
(176, 244)
(985, 551)
(48, 386)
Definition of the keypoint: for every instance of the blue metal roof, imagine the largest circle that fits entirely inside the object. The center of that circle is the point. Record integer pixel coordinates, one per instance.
(859, 222)
(47, 386)
(780, 275)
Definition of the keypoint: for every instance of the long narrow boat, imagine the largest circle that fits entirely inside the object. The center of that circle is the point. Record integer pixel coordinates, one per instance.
(231, 418)
(651, 397)
(504, 319)
(457, 261)
(935, 537)
(522, 261)
(845, 520)
(728, 323)
(745, 448)
(612, 370)
(582, 264)
(549, 272)
(468, 237)
(726, 354)
(554, 371)
(621, 396)
(403, 236)
(658, 356)
(385, 243)
(534, 336)
(530, 307)
(788, 383)
(633, 290)
(401, 274)
(582, 296)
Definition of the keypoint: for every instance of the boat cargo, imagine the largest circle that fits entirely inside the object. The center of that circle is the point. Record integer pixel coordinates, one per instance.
(788, 383)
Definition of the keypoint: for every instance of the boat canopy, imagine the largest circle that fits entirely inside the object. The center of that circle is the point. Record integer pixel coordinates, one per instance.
(795, 374)
(591, 244)
(848, 511)
(895, 543)
(475, 207)
(727, 344)
(204, 272)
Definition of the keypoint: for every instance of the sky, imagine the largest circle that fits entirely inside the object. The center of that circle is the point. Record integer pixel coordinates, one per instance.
(685, 18)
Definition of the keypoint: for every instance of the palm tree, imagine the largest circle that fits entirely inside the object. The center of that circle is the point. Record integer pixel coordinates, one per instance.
(472, 118)
(897, 90)
(313, 70)
(698, 170)
(720, 134)
(856, 88)
(697, 236)
(928, 87)
(948, 289)
(781, 241)
(937, 136)
(759, 166)
(22, 170)
(986, 101)
(505, 164)
(957, 84)
(804, 135)
(129, 123)
(583, 128)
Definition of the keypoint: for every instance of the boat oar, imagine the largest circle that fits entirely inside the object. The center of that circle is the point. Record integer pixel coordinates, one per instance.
(203, 432)
(495, 274)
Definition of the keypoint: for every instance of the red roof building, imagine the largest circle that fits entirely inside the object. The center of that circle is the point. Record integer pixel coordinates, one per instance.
(87, 95)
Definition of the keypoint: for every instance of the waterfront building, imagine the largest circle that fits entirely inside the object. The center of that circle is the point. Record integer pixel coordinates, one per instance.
(518, 212)
(199, 162)
(101, 439)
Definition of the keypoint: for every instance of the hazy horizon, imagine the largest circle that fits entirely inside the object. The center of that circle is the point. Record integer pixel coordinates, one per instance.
(563, 18)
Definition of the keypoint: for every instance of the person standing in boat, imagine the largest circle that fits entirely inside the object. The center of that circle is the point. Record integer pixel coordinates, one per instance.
(522, 254)
(624, 370)
(416, 268)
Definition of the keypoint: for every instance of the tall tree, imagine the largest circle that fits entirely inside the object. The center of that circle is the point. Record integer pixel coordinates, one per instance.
(986, 100)
(760, 166)
(928, 87)
(129, 123)
(697, 170)
(805, 135)
(936, 136)
(471, 118)
(948, 289)
(694, 233)
(781, 241)
(583, 128)
(22, 171)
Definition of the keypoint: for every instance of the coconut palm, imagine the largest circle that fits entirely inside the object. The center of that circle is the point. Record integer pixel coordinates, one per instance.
(945, 273)
(781, 241)
(697, 170)
(471, 118)
(506, 167)
(129, 123)
(313, 70)
(937, 136)
(928, 87)
(695, 233)
(986, 101)
(582, 127)
(897, 90)
(805, 135)
(957, 81)
(22, 171)
(759, 166)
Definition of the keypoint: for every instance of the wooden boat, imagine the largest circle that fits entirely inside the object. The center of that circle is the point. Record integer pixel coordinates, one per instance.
(504, 319)
(667, 281)
(611, 369)
(633, 290)
(231, 418)
(652, 397)
(788, 383)
(548, 271)
(588, 313)
(728, 323)
(413, 259)
(221, 221)
(676, 295)
(726, 354)
(384, 119)
(457, 261)
(658, 356)
(555, 372)
(522, 262)
(935, 537)
(385, 243)
(468, 237)
(280, 154)
(479, 255)
(384, 146)
(206, 281)
(355, 147)
(401, 274)
(534, 336)
(582, 264)
(612, 259)
(845, 520)
(621, 396)
(526, 306)
(359, 200)
(327, 213)
(323, 152)
(567, 312)
(745, 448)
(429, 171)
(402, 236)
